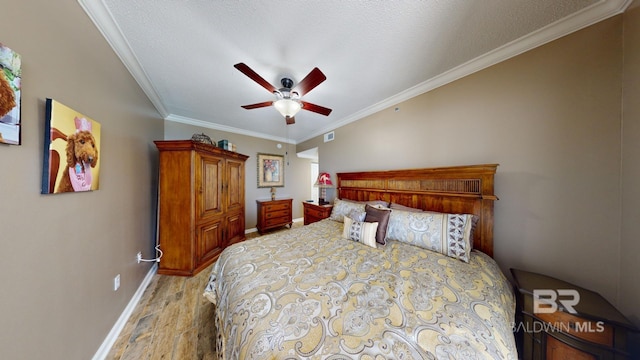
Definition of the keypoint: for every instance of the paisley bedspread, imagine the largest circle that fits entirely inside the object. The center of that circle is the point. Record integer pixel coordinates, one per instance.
(309, 294)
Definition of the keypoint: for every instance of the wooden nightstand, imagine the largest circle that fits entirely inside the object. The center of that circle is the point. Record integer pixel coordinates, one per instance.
(273, 214)
(584, 325)
(314, 212)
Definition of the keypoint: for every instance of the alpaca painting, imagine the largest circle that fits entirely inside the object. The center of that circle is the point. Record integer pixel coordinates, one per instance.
(10, 78)
(72, 151)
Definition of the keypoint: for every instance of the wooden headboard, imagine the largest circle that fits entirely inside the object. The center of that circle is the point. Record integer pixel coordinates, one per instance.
(454, 189)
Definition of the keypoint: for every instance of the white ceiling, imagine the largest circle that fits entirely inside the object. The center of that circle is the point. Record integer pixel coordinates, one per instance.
(374, 53)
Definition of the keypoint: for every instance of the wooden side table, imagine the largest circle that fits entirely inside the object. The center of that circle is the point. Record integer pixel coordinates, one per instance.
(314, 212)
(273, 214)
(567, 322)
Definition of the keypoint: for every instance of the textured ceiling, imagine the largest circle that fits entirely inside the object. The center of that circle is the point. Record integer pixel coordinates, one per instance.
(374, 53)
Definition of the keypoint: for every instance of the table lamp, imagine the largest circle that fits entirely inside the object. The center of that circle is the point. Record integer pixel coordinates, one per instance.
(323, 182)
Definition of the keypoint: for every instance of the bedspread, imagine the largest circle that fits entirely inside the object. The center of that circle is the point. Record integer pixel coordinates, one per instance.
(308, 293)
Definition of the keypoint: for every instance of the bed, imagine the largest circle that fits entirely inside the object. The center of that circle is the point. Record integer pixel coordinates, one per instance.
(428, 288)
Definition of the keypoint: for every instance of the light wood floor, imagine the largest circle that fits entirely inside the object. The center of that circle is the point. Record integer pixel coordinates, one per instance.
(173, 321)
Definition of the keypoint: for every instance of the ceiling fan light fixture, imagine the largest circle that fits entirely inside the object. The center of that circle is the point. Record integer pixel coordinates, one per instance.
(287, 107)
(288, 101)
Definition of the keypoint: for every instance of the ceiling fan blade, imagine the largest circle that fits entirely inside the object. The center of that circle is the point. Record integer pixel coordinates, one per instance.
(315, 108)
(290, 120)
(258, 105)
(255, 77)
(313, 79)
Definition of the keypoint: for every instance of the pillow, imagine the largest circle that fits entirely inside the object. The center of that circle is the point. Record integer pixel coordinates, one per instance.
(357, 215)
(377, 203)
(395, 206)
(342, 208)
(448, 234)
(474, 225)
(362, 232)
(474, 220)
(381, 216)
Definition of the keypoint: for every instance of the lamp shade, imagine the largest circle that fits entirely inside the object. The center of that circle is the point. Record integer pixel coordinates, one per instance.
(287, 107)
(324, 180)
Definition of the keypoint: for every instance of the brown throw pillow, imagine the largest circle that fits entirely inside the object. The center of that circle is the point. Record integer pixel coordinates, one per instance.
(381, 216)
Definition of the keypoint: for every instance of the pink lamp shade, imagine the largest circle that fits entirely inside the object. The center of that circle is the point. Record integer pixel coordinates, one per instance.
(323, 182)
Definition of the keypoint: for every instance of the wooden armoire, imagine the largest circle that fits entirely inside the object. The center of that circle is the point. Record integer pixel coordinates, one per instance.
(201, 204)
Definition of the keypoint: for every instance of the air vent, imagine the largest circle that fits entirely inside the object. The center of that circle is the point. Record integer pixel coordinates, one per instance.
(329, 136)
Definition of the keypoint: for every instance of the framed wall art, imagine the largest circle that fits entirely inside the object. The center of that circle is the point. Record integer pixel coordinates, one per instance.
(270, 170)
(71, 151)
(10, 93)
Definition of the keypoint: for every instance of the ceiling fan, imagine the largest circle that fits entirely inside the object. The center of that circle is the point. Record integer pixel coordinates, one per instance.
(288, 101)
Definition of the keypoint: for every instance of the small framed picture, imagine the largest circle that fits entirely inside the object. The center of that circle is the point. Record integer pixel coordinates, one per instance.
(270, 170)
(10, 94)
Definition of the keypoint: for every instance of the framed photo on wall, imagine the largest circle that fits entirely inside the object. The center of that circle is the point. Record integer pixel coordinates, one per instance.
(10, 94)
(71, 150)
(270, 170)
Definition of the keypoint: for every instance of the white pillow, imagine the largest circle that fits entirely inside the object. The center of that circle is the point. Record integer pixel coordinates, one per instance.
(363, 232)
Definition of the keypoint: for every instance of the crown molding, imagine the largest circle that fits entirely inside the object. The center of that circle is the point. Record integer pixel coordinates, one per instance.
(229, 129)
(595, 13)
(103, 20)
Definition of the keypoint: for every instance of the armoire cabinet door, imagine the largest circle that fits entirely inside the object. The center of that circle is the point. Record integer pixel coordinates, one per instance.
(209, 182)
(235, 185)
(210, 241)
(235, 227)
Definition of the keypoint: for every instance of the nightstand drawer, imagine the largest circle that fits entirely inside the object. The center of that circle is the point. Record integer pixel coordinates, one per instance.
(277, 214)
(315, 213)
(278, 206)
(278, 221)
(594, 331)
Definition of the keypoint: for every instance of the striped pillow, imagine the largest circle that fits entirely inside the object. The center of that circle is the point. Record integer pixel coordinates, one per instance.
(363, 232)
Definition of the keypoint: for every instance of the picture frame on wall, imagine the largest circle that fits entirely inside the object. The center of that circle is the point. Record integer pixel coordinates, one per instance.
(270, 170)
(71, 151)
(10, 95)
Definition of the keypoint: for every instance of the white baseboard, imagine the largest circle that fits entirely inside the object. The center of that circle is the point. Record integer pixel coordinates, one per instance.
(111, 338)
(249, 231)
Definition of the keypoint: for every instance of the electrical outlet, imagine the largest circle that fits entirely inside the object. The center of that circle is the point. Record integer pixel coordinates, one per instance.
(139, 257)
(116, 282)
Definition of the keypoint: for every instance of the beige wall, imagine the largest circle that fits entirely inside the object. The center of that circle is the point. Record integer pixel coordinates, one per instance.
(297, 170)
(61, 252)
(551, 118)
(629, 291)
